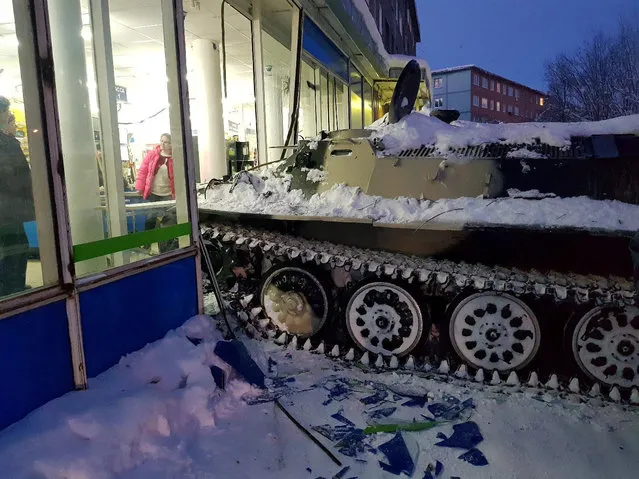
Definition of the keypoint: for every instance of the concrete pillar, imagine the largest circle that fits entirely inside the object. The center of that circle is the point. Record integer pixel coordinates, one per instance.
(274, 111)
(76, 127)
(209, 117)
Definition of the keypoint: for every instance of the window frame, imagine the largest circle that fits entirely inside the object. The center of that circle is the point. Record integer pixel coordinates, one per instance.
(484, 103)
(38, 32)
(475, 100)
(35, 30)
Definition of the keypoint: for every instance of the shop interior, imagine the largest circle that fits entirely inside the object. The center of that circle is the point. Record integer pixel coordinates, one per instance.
(124, 106)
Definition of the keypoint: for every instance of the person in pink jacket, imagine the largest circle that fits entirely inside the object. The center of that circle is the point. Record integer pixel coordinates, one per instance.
(156, 182)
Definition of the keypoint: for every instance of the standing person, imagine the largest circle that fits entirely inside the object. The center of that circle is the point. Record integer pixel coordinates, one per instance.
(156, 183)
(16, 206)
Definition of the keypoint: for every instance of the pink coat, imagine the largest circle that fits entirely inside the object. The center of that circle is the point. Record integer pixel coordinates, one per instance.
(149, 169)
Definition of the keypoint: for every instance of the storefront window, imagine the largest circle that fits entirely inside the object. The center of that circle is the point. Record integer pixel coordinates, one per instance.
(27, 246)
(117, 95)
(324, 101)
(308, 102)
(276, 45)
(368, 104)
(240, 124)
(356, 99)
(341, 100)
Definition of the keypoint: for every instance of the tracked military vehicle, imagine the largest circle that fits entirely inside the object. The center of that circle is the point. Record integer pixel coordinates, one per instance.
(495, 297)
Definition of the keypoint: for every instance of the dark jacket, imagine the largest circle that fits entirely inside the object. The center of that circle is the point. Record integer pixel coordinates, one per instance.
(16, 192)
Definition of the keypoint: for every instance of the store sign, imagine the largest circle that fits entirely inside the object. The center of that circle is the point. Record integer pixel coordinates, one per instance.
(120, 93)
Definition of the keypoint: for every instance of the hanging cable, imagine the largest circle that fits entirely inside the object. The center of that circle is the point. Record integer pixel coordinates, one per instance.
(296, 85)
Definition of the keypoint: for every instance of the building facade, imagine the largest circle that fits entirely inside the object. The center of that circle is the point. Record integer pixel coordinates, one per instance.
(398, 24)
(485, 97)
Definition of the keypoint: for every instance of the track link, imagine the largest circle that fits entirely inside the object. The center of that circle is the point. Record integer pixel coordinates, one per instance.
(439, 278)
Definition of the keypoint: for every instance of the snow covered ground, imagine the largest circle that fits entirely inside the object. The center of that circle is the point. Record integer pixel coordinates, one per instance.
(159, 414)
(270, 195)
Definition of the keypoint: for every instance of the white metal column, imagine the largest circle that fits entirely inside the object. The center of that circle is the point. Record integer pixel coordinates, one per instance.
(60, 206)
(105, 79)
(177, 134)
(258, 75)
(78, 148)
(209, 115)
(181, 95)
(37, 155)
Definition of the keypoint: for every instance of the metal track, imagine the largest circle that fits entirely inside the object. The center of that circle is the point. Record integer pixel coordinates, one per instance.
(439, 278)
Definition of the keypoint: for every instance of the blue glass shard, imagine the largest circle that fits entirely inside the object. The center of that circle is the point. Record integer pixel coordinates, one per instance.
(465, 436)
(383, 412)
(378, 397)
(339, 417)
(218, 376)
(398, 456)
(416, 402)
(475, 457)
(194, 341)
(235, 354)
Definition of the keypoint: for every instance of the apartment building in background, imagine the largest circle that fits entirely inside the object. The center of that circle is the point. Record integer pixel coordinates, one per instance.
(398, 24)
(485, 97)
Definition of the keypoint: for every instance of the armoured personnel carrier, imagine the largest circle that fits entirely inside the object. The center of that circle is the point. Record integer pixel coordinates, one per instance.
(500, 297)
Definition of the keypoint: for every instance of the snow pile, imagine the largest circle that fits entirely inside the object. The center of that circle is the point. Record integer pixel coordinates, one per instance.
(270, 195)
(146, 409)
(418, 129)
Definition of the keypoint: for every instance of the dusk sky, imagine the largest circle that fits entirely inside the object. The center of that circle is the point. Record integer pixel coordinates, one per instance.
(512, 38)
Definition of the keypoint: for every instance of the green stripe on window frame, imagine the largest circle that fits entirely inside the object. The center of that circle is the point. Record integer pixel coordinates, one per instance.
(95, 249)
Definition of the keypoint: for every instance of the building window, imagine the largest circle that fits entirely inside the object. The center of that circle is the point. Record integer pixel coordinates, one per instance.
(492, 85)
(516, 111)
(498, 87)
(27, 245)
(492, 104)
(439, 82)
(484, 102)
(541, 101)
(510, 91)
(475, 100)
(498, 105)
(484, 82)
(517, 93)
(439, 102)
(504, 90)
(510, 108)
(89, 128)
(356, 99)
(475, 79)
